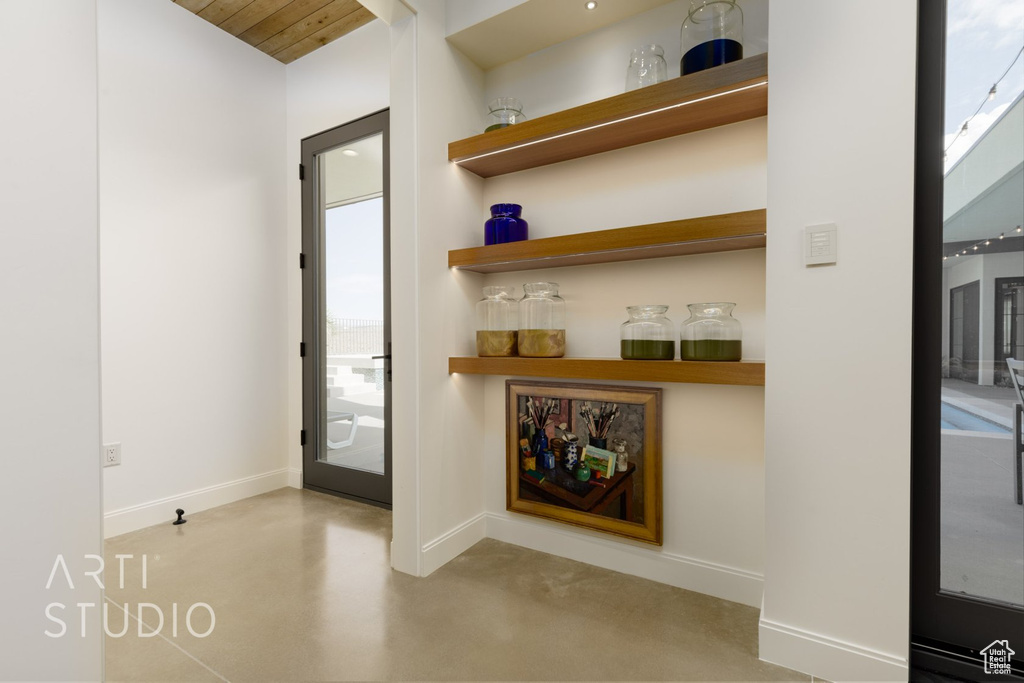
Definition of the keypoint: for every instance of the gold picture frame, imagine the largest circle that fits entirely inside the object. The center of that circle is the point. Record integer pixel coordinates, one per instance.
(627, 504)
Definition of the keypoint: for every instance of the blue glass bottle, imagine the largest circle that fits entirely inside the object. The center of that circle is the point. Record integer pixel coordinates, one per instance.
(505, 225)
(540, 444)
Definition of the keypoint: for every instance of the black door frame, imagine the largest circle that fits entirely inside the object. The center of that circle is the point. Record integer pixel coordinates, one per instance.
(940, 622)
(970, 322)
(316, 475)
(998, 353)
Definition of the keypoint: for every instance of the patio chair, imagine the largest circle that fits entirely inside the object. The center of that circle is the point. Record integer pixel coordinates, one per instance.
(1016, 368)
(333, 416)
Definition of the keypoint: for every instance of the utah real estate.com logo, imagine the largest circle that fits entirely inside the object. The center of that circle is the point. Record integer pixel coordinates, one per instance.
(997, 657)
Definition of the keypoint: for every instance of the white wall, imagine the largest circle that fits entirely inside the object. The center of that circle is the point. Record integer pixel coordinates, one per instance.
(436, 94)
(462, 14)
(338, 83)
(837, 439)
(192, 183)
(49, 338)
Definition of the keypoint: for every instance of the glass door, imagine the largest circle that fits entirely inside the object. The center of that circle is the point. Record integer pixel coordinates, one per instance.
(967, 614)
(346, 325)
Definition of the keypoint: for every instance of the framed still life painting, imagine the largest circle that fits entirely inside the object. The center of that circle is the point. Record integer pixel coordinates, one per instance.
(586, 455)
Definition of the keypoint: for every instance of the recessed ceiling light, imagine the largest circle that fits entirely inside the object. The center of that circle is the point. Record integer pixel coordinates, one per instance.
(350, 152)
(591, 5)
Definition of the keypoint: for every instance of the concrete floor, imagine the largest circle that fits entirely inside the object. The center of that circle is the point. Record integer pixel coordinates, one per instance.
(302, 590)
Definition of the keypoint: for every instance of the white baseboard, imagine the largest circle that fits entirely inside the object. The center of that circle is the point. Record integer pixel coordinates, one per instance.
(136, 517)
(448, 546)
(728, 583)
(295, 478)
(828, 658)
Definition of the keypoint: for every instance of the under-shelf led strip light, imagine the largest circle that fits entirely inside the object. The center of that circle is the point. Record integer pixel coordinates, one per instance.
(613, 122)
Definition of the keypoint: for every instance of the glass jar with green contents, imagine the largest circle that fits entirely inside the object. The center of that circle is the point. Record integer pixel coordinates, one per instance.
(505, 112)
(711, 333)
(648, 334)
(542, 321)
(497, 320)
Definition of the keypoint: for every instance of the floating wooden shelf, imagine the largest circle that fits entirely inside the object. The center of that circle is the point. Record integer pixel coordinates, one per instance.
(709, 234)
(744, 373)
(715, 97)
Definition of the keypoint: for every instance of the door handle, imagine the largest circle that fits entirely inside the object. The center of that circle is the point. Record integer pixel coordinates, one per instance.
(387, 359)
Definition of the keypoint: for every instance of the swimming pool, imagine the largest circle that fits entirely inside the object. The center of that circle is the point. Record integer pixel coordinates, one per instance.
(957, 418)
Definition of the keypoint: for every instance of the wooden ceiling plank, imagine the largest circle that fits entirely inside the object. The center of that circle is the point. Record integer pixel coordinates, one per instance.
(324, 36)
(220, 10)
(246, 18)
(281, 19)
(307, 26)
(194, 6)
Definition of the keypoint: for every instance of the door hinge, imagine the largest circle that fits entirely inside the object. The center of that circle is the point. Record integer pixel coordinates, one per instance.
(302, 172)
(302, 437)
(302, 260)
(302, 349)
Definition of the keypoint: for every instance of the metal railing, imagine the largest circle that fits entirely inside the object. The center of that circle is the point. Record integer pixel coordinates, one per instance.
(348, 336)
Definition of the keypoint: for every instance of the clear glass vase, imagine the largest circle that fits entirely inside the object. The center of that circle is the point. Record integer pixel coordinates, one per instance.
(648, 334)
(647, 66)
(497, 320)
(542, 321)
(711, 333)
(711, 35)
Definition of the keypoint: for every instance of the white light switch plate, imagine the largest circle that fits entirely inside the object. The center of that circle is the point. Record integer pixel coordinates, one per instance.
(821, 244)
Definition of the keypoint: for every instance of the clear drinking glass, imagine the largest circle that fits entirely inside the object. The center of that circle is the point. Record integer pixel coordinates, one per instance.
(542, 321)
(648, 334)
(711, 333)
(647, 66)
(497, 320)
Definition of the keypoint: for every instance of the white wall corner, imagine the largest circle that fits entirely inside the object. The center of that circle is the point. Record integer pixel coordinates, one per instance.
(450, 545)
(461, 14)
(295, 478)
(389, 11)
(720, 581)
(827, 658)
(136, 517)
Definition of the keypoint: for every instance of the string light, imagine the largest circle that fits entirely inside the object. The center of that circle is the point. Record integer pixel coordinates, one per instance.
(981, 243)
(988, 98)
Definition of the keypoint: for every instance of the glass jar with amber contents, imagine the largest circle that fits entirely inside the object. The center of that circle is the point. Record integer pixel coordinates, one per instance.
(496, 322)
(542, 321)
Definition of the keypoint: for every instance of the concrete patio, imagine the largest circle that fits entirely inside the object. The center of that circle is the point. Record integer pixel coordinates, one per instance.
(982, 526)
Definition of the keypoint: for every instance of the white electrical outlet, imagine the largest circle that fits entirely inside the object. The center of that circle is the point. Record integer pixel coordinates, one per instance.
(111, 454)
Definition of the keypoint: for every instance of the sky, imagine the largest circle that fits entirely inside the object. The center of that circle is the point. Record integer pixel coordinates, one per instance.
(982, 38)
(354, 259)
